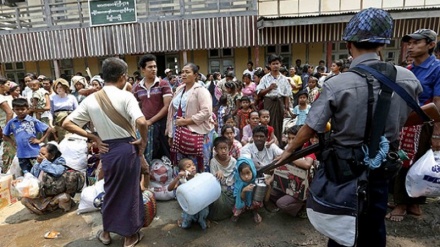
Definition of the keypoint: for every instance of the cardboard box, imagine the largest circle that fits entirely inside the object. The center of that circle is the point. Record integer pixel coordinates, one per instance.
(5, 190)
(292, 180)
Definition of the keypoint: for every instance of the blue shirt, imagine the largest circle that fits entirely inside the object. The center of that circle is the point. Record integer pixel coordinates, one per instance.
(428, 74)
(23, 131)
(301, 114)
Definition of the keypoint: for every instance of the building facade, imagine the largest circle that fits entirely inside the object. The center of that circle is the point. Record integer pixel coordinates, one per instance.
(55, 37)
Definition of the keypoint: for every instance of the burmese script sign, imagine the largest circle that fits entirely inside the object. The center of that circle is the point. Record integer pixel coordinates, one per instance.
(112, 12)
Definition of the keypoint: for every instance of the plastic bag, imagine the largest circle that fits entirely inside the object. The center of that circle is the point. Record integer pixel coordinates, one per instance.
(74, 150)
(423, 178)
(88, 194)
(15, 168)
(28, 187)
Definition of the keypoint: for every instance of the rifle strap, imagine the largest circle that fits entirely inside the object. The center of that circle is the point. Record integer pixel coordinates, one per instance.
(375, 126)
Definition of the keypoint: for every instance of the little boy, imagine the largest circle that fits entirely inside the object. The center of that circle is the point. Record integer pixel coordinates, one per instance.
(264, 120)
(302, 109)
(25, 129)
(254, 120)
(187, 171)
(243, 114)
(40, 101)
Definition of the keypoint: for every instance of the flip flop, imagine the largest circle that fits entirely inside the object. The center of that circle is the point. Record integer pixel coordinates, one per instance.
(395, 217)
(103, 241)
(140, 236)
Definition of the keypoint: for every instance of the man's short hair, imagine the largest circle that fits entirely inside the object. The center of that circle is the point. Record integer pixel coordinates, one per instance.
(251, 63)
(20, 102)
(145, 59)
(273, 58)
(113, 68)
(260, 128)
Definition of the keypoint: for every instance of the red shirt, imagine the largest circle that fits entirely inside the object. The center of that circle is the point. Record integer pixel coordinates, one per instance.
(152, 99)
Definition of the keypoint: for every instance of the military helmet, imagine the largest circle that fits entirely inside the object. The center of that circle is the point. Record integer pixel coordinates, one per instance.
(369, 25)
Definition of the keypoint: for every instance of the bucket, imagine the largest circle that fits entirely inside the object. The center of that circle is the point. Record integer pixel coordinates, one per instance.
(198, 193)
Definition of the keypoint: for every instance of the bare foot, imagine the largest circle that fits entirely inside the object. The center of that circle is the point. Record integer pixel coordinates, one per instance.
(414, 209)
(257, 218)
(397, 214)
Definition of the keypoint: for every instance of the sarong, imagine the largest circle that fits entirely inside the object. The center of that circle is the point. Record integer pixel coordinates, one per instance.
(222, 208)
(201, 162)
(122, 210)
(275, 106)
(157, 145)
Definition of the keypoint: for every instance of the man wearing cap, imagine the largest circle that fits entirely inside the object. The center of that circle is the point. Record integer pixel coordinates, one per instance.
(426, 68)
(168, 74)
(344, 100)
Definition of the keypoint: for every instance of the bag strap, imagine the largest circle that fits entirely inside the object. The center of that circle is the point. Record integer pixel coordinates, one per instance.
(179, 111)
(109, 110)
(398, 89)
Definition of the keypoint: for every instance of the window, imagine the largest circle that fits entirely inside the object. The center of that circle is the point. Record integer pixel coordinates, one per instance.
(15, 72)
(220, 59)
(283, 50)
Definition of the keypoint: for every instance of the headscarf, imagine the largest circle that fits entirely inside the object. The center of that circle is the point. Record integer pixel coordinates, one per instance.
(98, 79)
(79, 79)
(240, 184)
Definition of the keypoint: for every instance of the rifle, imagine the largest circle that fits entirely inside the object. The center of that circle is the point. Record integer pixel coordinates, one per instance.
(294, 156)
(413, 119)
(430, 110)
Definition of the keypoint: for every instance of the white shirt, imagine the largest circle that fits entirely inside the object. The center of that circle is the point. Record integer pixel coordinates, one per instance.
(124, 102)
(246, 71)
(260, 158)
(283, 90)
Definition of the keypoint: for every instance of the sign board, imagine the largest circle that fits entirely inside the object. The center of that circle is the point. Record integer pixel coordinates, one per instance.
(111, 12)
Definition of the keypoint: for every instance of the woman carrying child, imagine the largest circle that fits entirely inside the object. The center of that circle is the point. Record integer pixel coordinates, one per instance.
(245, 175)
(222, 166)
(187, 171)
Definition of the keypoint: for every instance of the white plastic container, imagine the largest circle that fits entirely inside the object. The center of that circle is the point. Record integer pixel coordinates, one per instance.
(198, 193)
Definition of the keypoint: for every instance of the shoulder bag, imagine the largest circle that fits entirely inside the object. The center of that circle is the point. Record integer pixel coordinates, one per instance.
(185, 141)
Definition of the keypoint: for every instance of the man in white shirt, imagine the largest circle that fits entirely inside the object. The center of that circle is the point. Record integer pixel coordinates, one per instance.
(276, 91)
(257, 151)
(123, 208)
(249, 69)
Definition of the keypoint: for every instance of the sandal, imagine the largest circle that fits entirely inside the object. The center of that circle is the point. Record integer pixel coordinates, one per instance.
(103, 241)
(140, 236)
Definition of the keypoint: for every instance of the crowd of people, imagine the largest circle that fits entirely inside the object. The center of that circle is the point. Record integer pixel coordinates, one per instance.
(237, 123)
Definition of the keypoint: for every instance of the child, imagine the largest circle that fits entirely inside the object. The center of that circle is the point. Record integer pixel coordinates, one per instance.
(254, 120)
(222, 166)
(49, 161)
(40, 101)
(245, 175)
(302, 109)
(292, 204)
(233, 95)
(312, 89)
(264, 120)
(229, 120)
(234, 146)
(243, 114)
(222, 111)
(187, 171)
(25, 129)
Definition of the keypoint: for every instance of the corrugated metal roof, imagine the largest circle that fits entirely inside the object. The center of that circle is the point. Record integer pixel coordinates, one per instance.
(134, 38)
(333, 31)
(394, 10)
